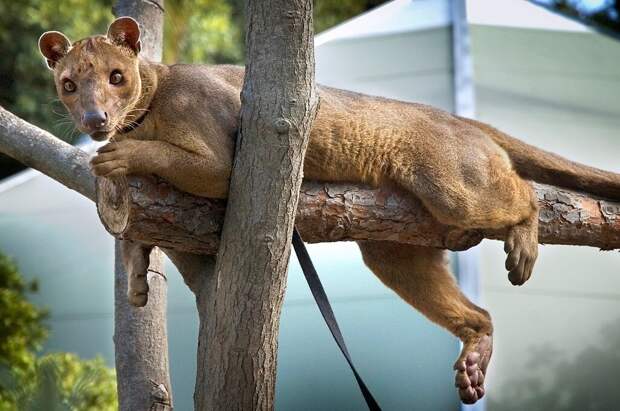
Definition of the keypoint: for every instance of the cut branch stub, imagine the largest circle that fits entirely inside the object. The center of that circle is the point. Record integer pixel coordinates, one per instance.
(113, 203)
(150, 210)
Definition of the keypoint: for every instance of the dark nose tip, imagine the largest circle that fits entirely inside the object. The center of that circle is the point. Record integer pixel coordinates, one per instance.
(94, 120)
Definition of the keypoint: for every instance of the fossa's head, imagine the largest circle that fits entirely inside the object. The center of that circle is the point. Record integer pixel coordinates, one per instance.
(97, 78)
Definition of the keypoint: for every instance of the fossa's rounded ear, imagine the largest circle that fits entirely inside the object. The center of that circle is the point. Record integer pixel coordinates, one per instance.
(125, 31)
(53, 45)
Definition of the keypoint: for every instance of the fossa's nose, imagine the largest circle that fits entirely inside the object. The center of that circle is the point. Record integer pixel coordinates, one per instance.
(94, 120)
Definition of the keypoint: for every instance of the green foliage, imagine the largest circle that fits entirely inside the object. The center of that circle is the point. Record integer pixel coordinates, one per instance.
(63, 382)
(53, 382)
(201, 31)
(21, 329)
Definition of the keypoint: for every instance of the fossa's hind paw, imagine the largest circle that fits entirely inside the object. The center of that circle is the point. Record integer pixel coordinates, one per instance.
(471, 368)
(521, 247)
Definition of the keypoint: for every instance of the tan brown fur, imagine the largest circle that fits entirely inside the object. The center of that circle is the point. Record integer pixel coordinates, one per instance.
(462, 170)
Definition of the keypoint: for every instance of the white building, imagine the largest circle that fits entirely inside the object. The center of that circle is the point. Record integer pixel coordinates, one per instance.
(536, 75)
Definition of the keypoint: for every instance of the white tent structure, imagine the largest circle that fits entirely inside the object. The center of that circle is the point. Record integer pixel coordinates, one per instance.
(538, 76)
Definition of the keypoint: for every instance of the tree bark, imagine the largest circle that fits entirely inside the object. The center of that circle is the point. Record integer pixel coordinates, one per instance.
(140, 334)
(42, 151)
(278, 106)
(141, 341)
(152, 211)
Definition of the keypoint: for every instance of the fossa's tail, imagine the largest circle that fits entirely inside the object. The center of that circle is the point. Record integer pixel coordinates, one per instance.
(538, 165)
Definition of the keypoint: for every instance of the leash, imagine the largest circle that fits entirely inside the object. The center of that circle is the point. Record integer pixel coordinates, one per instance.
(318, 292)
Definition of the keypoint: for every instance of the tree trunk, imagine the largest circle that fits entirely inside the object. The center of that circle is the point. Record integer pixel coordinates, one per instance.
(140, 334)
(141, 341)
(243, 311)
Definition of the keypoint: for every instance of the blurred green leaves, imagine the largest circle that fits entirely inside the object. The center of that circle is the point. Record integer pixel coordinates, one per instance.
(21, 330)
(61, 382)
(53, 382)
(201, 31)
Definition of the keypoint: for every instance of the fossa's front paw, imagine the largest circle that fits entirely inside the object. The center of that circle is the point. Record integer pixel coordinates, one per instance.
(138, 286)
(116, 159)
(137, 299)
(136, 262)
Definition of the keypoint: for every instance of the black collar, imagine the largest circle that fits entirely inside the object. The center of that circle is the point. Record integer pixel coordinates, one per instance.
(134, 124)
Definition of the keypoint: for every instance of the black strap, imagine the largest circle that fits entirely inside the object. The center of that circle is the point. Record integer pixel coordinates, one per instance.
(326, 311)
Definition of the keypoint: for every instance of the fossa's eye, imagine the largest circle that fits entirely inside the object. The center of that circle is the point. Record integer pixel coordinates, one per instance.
(69, 86)
(116, 77)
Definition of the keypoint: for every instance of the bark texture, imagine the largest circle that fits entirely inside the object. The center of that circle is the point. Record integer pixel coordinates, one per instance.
(140, 334)
(151, 211)
(243, 311)
(141, 341)
(40, 150)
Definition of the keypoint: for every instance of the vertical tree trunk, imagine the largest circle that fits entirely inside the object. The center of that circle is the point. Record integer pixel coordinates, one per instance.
(278, 106)
(140, 334)
(141, 341)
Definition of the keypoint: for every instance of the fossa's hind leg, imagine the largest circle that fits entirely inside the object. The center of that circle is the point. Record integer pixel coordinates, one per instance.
(491, 196)
(136, 261)
(421, 277)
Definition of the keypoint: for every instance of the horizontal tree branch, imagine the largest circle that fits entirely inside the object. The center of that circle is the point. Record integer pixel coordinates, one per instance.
(42, 151)
(150, 210)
